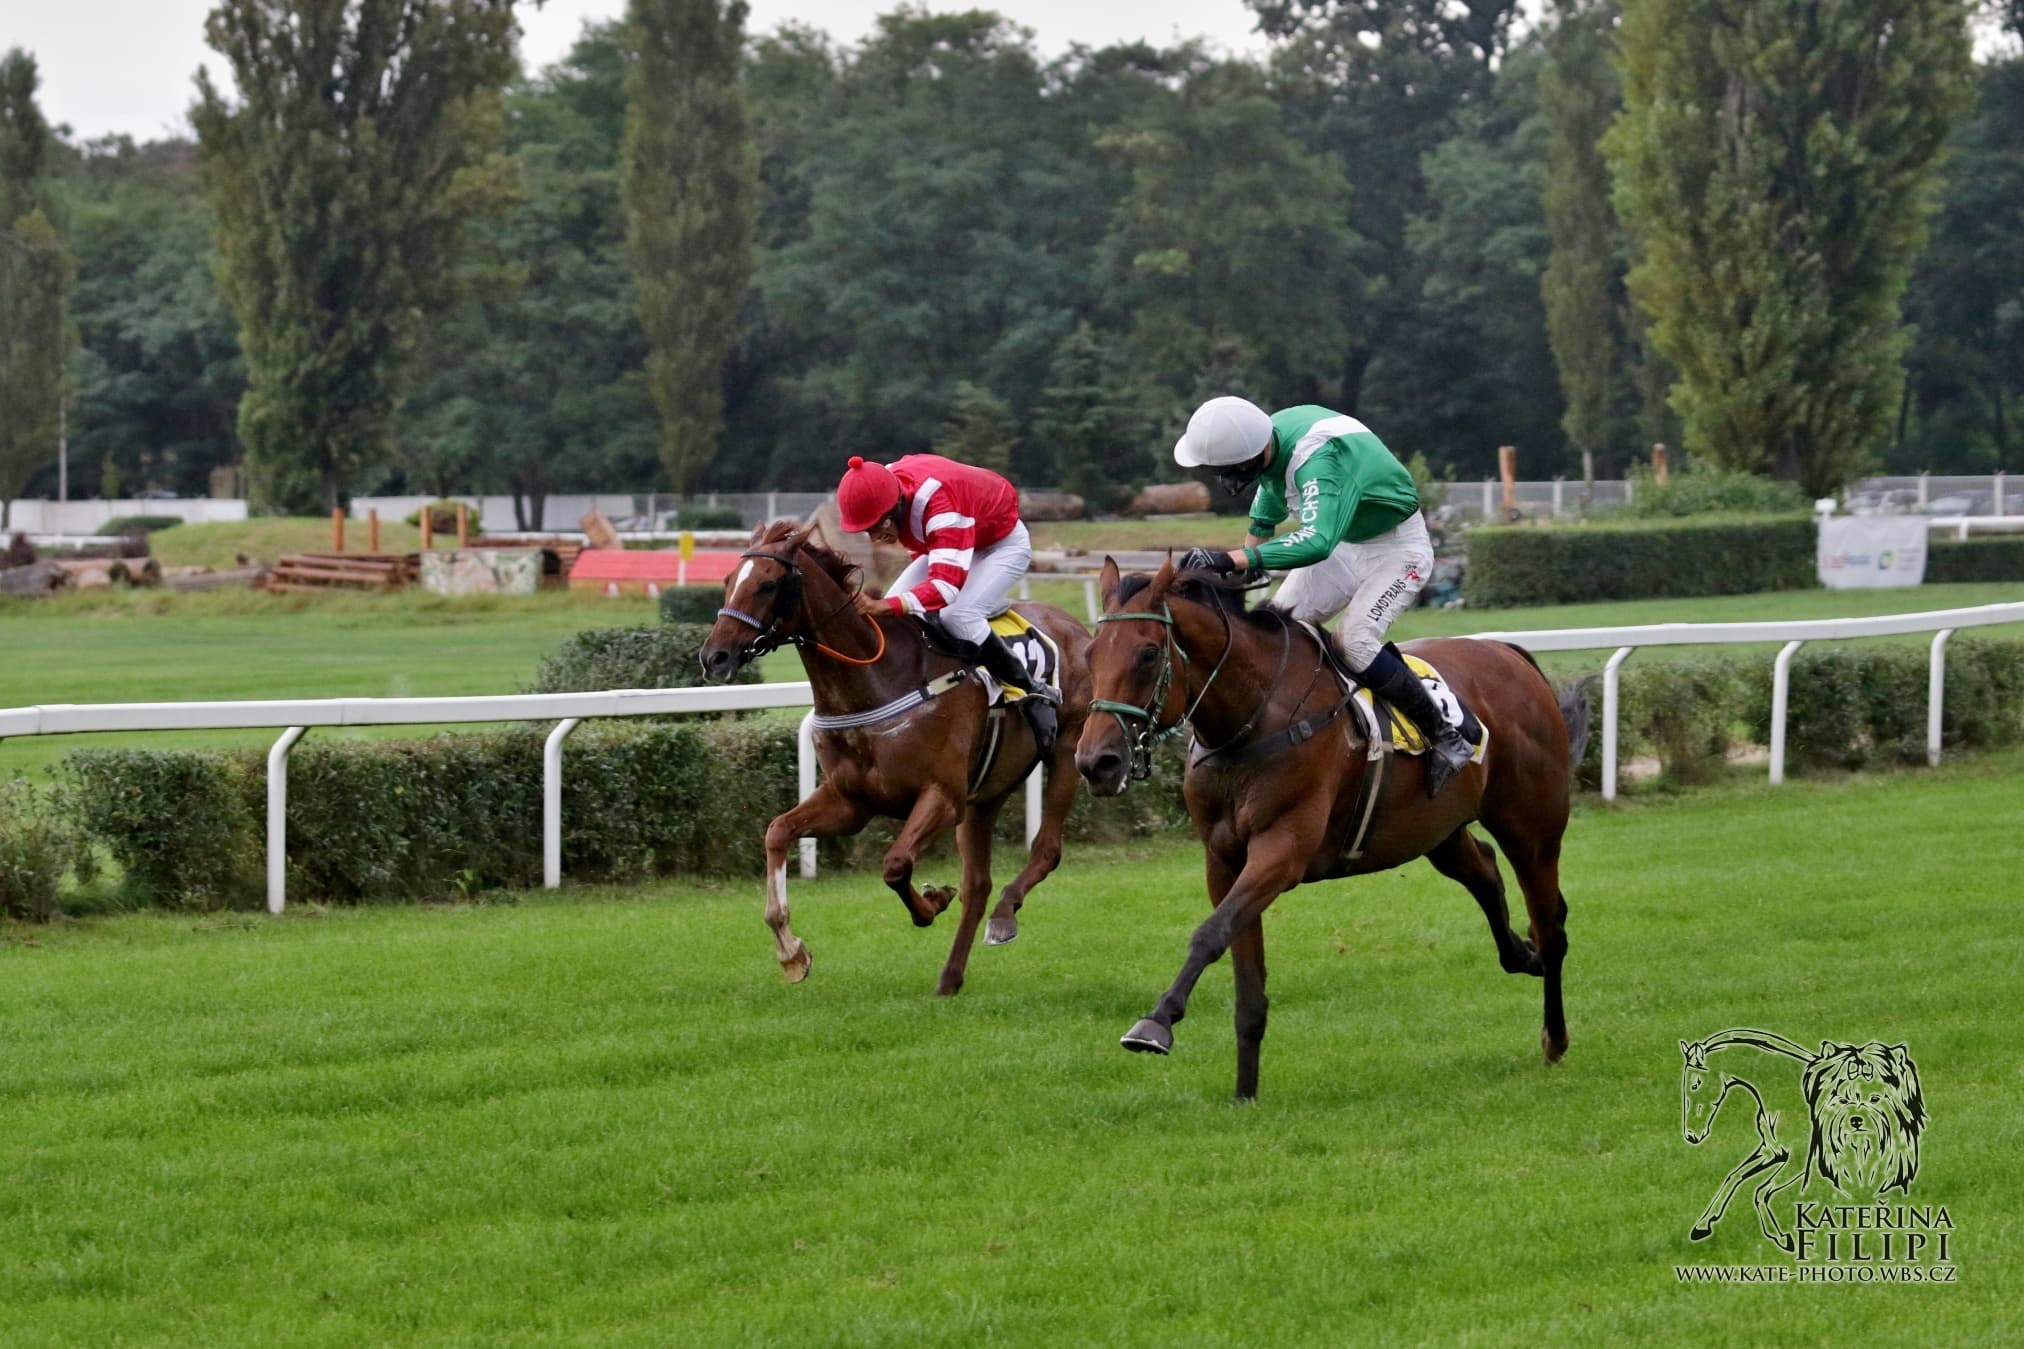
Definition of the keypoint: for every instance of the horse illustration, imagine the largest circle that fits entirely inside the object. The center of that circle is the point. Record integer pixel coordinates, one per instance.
(1864, 1112)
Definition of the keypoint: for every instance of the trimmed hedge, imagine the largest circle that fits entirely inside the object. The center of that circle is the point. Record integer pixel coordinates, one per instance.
(1850, 707)
(709, 517)
(138, 524)
(596, 659)
(1985, 559)
(1606, 561)
(691, 604)
(40, 845)
(453, 815)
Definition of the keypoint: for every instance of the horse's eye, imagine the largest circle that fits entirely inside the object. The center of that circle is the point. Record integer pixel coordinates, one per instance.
(768, 587)
(1147, 655)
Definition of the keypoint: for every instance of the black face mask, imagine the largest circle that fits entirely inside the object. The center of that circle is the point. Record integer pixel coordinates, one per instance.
(1238, 479)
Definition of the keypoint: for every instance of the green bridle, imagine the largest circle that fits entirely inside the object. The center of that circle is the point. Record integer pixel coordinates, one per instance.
(1151, 734)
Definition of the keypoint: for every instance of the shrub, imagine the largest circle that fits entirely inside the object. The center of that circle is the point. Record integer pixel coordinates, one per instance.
(40, 844)
(138, 524)
(1705, 489)
(691, 604)
(184, 826)
(1606, 561)
(1984, 559)
(666, 657)
(443, 516)
(708, 517)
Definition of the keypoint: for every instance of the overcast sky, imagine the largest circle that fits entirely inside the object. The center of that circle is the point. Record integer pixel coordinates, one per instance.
(127, 65)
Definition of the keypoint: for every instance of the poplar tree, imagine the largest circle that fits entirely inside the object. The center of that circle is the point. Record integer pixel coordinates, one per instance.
(688, 178)
(36, 338)
(1775, 162)
(341, 183)
(1578, 92)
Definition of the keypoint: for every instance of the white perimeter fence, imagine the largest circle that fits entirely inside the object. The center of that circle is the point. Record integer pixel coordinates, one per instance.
(298, 716)
(570, 709)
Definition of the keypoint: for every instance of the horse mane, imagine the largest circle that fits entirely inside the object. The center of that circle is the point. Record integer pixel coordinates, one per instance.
(1226, 593)
(839, 568)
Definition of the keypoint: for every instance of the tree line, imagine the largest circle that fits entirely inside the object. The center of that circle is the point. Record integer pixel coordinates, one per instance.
(1781, 234)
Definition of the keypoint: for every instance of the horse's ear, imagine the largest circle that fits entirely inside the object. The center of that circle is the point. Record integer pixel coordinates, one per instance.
(794, 540)
(758, 534)
(1107, 580)
(1686, 1049)
(1164, 577)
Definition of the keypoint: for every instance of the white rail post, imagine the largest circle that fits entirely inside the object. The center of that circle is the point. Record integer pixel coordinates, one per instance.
(1033, 801)
(277, 819)
(1936, 695)
(1611, 700)
(1089, 598)
(551, 803)
(1025, 587)
(1559, 495)
(1924, 478)
(804, 741)
(1490, 499)
(1781, 696)
(1996, 505)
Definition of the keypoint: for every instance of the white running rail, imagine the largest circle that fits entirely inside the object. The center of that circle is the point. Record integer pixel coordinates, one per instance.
(566, 709)
(1794, 633)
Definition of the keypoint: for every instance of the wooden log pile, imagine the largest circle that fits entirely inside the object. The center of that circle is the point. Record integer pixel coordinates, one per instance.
(371, 572)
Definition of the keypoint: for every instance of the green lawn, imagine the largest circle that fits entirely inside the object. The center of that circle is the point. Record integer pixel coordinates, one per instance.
(603, 1119)
(268, 539)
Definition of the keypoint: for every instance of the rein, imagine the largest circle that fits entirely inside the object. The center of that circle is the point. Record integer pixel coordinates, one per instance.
(769, 638)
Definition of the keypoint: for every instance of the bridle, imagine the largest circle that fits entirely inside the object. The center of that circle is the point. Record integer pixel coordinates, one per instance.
(789, 597)
(1150, 735)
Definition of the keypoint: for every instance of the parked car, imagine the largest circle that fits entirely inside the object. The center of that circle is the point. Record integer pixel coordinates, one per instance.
(1960, 503)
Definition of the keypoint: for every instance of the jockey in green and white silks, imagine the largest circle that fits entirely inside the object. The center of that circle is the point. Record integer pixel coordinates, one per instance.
(1360, 549)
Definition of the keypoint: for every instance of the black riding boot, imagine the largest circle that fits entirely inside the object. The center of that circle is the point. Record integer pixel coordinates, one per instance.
(1039, 702)
(1393, 680)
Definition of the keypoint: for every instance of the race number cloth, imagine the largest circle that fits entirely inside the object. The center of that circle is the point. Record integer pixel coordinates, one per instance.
(1405, 737)
(1035, 650)
(1872, 551)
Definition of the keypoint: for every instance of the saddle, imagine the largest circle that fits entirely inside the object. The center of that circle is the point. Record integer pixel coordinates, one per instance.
(1389, 730)
(1029, 643)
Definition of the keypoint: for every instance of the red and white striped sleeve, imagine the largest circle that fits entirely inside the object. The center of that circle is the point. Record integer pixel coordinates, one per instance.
(951, 537)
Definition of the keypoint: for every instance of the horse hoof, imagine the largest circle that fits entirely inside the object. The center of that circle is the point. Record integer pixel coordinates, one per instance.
(1700, 1233)
(946, 989)
(1148, 1037)
(795, 968)
(1551, 1049)
(999, 931)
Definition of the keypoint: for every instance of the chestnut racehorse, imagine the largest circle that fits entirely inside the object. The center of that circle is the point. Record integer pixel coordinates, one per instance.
(1273, 783)
(932, 761)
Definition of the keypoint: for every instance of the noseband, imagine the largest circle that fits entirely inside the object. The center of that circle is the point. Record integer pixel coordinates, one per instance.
(1150, 735)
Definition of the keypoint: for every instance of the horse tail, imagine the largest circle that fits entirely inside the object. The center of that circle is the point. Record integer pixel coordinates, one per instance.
(1574, 704)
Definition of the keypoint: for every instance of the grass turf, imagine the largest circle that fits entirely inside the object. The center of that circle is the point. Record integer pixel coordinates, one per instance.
(566, 1120)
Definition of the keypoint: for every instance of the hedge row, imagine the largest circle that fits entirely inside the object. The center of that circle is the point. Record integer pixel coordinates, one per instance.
(691, 604)
(456, 814)
(1849, 707)
(597, 659)
(1983, 559)
(1569, 564)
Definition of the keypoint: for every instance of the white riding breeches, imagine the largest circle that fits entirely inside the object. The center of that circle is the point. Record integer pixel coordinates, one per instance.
(1371, 583)
(987, 592)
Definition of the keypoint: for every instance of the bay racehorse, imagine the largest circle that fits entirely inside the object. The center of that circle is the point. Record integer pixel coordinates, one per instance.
(909, 737)
(1273, 785)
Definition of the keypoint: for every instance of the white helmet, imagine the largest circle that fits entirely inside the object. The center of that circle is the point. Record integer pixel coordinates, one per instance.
(1224, 431)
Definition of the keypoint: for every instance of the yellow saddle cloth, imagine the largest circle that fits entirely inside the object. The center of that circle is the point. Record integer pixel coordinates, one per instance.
(1034, 648)
(1405, 737)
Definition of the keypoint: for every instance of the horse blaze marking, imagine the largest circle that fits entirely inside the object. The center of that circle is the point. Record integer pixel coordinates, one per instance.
(743, 572)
